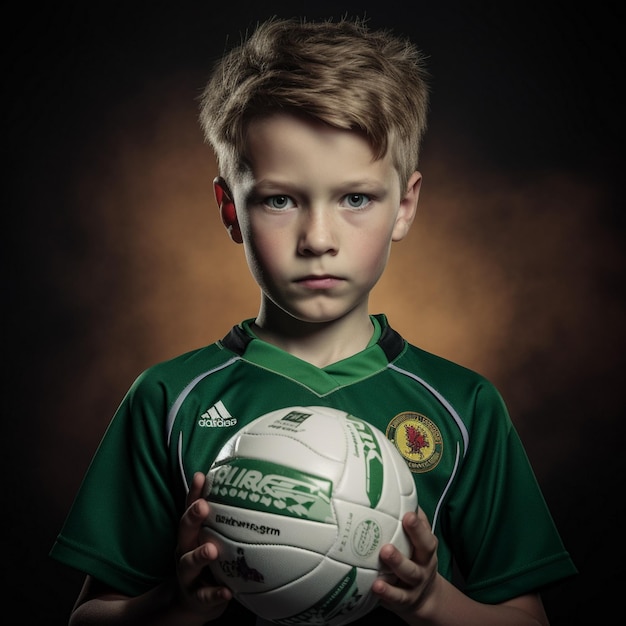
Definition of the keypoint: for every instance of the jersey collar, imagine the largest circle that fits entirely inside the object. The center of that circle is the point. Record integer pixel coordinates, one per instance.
(384, 346)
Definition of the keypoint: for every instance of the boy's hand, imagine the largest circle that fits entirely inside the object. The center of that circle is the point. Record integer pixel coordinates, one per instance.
(198, 591)
(415, 576)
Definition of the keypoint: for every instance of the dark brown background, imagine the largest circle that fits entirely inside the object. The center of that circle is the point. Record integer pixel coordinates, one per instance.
(116, 259)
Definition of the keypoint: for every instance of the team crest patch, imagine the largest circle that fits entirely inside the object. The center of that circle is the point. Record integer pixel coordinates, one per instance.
(418, 440)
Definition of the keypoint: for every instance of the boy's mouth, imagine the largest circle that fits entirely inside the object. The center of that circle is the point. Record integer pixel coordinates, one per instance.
(325, 281)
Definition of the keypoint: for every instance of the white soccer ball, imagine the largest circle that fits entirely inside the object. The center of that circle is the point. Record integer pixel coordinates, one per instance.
(302, 499)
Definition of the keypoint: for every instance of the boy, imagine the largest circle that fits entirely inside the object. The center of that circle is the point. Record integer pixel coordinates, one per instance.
(316, 128)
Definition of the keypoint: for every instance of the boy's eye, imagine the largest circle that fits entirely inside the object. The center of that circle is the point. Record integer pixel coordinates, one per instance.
(279, 202)
(356, 200)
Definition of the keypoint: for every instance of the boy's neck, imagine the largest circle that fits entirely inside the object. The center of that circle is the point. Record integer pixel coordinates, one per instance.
(321, 343)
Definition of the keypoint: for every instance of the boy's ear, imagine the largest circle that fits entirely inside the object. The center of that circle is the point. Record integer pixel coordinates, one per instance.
(408, 208)
(227, 209)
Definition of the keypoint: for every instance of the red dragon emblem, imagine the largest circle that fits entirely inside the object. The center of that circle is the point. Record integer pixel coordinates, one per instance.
(416, 440)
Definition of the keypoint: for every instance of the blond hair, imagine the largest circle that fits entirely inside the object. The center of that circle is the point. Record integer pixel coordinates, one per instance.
(340, 73)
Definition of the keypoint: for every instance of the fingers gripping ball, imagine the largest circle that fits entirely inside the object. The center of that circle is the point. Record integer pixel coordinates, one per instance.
(301, 500)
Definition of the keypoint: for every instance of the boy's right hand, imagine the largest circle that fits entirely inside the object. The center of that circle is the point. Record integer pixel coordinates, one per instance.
(192, 599)
(198, 591)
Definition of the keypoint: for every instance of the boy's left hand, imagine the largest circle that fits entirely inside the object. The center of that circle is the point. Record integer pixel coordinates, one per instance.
(415, 575)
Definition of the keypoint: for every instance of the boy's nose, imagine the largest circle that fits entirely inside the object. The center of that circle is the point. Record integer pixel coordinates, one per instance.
(318, 233)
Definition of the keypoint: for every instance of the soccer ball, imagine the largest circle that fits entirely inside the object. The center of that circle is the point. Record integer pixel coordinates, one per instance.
(302, 499)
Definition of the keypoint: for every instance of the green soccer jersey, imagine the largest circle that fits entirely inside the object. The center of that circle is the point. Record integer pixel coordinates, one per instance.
(473, 478)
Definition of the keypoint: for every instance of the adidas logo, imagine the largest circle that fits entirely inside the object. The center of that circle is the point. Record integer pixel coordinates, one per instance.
(217, 417)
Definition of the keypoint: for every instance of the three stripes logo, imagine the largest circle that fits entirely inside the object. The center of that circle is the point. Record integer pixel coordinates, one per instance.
(217, 417)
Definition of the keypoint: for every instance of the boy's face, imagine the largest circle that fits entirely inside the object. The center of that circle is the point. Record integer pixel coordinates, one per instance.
(317, 216)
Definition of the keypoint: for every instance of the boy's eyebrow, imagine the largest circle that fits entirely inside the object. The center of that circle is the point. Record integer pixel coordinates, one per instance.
(358, 183)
